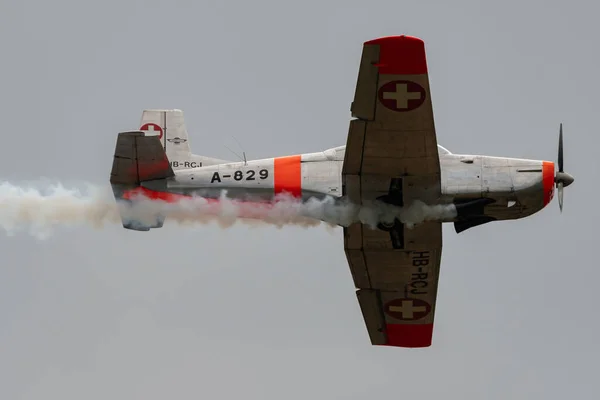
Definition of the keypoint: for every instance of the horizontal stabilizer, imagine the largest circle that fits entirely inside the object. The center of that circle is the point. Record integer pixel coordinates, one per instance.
(139, 158)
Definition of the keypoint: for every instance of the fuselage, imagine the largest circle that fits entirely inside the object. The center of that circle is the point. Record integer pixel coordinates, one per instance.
(514, 188)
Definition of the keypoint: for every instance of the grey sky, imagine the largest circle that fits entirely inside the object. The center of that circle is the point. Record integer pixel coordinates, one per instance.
(271, 314)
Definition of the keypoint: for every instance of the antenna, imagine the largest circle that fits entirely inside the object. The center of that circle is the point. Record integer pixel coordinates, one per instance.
(243, 152)
(236, 154)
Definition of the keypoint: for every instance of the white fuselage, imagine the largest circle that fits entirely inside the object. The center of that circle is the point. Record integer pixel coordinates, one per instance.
(518, 187)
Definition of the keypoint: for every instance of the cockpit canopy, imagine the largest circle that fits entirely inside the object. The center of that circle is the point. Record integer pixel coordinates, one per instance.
(337, 153)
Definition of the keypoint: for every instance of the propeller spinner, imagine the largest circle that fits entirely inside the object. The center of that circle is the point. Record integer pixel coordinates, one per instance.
(561, 178)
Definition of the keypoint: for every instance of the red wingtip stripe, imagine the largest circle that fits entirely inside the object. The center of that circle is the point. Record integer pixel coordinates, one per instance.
(548, 181)
(409, 335)
(400, 55)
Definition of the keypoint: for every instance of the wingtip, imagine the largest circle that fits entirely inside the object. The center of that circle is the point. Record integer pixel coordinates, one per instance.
(400, 55)
(409, 335)
(395, 38)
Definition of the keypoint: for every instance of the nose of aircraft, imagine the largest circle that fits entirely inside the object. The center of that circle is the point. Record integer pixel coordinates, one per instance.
(565, 178)
(562, 179)
(548, 181)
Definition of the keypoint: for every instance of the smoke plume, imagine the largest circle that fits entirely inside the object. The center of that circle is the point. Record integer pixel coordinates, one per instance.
(38, 210)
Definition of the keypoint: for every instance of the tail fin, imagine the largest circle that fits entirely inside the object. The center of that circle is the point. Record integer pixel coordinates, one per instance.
(169, 126)
(137, 159)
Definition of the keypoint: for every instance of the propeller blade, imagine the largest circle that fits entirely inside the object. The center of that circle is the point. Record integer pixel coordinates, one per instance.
(560, 150)
(561, 178)
(560, 195)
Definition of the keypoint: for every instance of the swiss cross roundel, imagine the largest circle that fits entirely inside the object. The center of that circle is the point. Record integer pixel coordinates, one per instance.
(401, 95)
(407, 309)
(151, 127)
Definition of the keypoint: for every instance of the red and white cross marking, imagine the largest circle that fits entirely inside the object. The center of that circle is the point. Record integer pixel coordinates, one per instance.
(152, 127)
(401, 96)
(407, 309)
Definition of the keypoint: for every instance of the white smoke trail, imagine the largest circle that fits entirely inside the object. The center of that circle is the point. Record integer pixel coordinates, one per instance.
(38, 210)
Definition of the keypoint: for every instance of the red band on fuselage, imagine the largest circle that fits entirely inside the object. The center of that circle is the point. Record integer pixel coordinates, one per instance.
(288, 175)
(548, 181)
(400, 55)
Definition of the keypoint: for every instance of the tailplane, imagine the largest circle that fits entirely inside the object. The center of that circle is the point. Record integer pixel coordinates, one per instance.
(138, 159)
(169, 126)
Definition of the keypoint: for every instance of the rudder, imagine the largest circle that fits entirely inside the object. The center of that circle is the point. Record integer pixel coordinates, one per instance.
(170, 127)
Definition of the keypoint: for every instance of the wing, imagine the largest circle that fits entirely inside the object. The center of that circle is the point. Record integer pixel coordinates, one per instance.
(392, 155)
